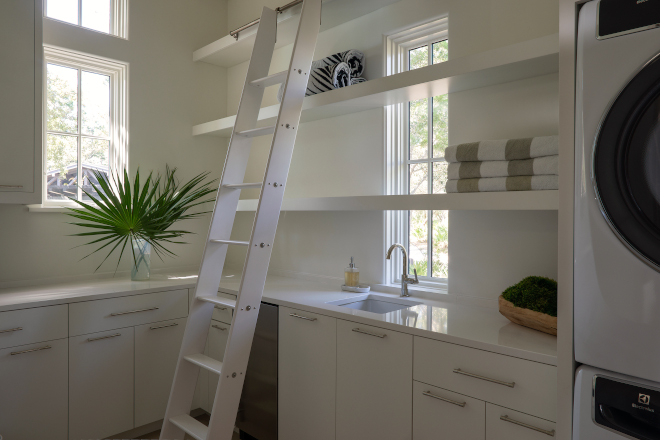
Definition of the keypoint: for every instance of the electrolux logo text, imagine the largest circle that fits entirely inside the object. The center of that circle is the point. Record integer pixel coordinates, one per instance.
(641, 1)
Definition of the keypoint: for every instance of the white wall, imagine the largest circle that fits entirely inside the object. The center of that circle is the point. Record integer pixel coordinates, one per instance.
(345, 155)
(168, 94)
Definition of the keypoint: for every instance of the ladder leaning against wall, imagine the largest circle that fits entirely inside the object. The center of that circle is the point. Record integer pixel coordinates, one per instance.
(232, 370)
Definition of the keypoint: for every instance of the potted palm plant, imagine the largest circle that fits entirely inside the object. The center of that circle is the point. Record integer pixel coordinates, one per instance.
(138, 216)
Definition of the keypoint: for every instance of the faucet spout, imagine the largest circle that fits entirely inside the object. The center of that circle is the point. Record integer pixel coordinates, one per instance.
(405, 279)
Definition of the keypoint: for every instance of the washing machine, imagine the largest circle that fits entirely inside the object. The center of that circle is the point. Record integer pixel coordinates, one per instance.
(617, 188)
(613, 406)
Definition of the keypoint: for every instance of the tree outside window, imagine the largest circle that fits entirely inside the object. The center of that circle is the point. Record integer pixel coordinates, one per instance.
(427, 169)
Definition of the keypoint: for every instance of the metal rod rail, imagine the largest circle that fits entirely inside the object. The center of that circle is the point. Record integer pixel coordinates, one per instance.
(279, 10)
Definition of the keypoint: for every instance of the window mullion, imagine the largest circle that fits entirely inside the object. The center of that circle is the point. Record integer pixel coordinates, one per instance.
(79, 12)
(79, 168)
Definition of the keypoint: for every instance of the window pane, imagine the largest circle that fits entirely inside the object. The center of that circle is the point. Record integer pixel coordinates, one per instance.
(65, 10)
(62, 84)
(418, 57)
(95, 96)
(96, 15)
(62, 167)
(417, 240)
(419, 178)
(440, 125)
(440, 51)
(94, 154)
(419, 129)
(439, 177)
(440, 244)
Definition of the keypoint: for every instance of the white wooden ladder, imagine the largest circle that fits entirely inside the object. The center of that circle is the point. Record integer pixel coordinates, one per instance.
(246, 308)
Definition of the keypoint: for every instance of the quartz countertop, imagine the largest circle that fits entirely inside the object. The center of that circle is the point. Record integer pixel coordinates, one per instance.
(468, 325)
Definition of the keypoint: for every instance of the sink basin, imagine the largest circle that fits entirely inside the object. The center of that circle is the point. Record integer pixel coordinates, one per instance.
(375, 303)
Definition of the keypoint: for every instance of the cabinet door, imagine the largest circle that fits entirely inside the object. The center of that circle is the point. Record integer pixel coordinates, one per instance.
(20, 91)
(156, 353)
(217, 342)
(506, 424)
(33, 400)
(442, 414)
(374, 383)
(101, 384)
(307, 375)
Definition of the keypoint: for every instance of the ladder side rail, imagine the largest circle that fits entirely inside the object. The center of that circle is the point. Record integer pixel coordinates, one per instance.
(224, 212)
(253, 280)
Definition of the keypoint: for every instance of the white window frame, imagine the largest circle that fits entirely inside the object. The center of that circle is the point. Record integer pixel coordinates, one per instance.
(118, 18)
(397, 47)
(118, 73)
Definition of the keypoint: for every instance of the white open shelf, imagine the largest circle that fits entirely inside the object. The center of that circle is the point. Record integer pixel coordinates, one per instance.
(227, 51)
(485, 201)
(511, 63)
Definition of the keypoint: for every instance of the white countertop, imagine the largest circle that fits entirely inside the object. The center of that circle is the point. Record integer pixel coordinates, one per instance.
(468, 325)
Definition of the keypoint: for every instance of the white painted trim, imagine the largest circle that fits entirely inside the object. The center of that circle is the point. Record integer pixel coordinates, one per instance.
(119, 121)
(118, 19)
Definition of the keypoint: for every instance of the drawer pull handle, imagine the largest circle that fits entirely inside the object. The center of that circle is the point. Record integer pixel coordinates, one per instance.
(222, 329)
(47, 347)
(133, 311)
(221, 308)
(104, 337)
(551, 433)
(453, 402)
(174, 324)
(11, 330)
(11, 186)
(488, 379)
(357, 330)
(302, 317)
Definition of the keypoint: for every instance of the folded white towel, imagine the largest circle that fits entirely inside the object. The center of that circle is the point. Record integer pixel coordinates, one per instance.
(516, 183)
(547, 165)
(505, 149)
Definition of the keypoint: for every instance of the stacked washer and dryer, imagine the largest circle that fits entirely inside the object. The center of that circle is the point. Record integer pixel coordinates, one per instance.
(617, 221)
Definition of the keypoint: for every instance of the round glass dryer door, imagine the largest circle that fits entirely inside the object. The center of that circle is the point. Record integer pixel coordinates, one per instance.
(626, 168)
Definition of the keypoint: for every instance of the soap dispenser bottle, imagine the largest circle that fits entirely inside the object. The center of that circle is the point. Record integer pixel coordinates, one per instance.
(352, 275)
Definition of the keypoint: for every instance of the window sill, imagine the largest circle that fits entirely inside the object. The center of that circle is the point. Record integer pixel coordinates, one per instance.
(422, 291)
(53, 209)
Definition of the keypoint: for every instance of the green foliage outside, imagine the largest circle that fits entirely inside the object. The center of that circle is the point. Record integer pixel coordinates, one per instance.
(534, 293)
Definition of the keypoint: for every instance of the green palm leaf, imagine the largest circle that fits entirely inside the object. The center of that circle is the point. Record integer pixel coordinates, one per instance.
(119, 213)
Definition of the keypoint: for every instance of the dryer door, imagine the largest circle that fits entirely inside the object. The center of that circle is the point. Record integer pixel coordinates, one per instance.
(626, 164)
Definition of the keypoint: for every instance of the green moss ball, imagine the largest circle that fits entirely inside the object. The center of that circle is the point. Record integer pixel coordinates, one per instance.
(534, 293)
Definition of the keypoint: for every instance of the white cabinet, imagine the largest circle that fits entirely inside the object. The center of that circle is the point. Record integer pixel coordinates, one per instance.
(101, 384)
(156, 352)
(33, 396)
(217, 342)
(506, 424)
(21, 52)
(442, 414)
(374, 383)
(307, 358)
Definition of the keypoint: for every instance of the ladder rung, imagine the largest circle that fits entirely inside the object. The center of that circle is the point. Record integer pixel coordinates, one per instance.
(238, 243)
(205, 362)
(217, 300)
(263, 131)
(191, 426)
(270, 80)
(243, 185)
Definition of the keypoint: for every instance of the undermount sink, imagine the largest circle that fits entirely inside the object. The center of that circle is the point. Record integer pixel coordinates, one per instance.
(375, 303)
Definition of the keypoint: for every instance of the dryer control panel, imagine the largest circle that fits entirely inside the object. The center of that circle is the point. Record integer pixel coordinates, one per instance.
(620, 17)
(627, 408)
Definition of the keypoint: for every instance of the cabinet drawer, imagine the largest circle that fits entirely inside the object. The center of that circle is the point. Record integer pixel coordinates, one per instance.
(439, 413)
(506, 424)
(221, 313)
(504, 380)
(28, 326)
(127, 311)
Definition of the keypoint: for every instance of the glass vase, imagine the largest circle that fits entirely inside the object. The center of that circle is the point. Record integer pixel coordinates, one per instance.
(142, 261)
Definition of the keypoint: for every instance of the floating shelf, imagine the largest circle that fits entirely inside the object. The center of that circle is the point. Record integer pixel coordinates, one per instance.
(490, 201)
(228, 51)
(511, 63)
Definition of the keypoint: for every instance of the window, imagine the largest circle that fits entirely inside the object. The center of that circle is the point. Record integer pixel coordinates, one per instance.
(107, 16)
(85, 118)
(417, 135)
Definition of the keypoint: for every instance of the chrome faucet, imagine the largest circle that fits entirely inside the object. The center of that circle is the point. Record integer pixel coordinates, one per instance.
(405, 279)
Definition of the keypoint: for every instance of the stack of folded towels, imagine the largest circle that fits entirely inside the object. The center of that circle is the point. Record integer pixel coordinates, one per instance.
(529, 164)
(342, 69)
